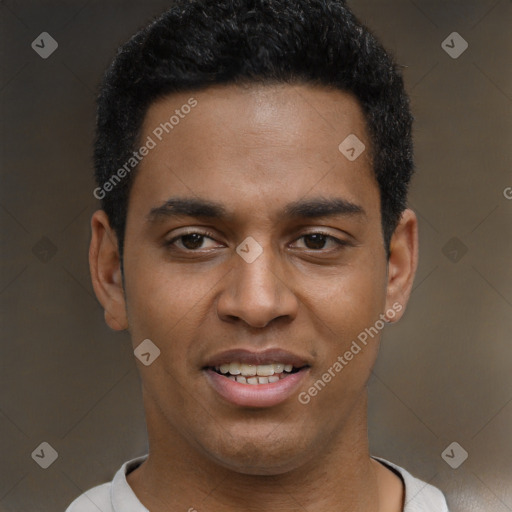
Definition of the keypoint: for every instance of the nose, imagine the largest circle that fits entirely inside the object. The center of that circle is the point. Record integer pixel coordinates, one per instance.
(257, 293)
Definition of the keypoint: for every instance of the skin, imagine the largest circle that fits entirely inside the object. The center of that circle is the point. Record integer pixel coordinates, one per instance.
(255, 149)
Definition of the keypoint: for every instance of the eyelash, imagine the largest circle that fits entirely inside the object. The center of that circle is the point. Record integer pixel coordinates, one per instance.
(208, 234)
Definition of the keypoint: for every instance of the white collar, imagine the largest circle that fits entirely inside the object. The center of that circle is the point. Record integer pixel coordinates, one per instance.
(419, 495)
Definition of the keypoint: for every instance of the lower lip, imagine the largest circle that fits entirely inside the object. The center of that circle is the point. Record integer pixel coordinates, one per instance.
(255, 395)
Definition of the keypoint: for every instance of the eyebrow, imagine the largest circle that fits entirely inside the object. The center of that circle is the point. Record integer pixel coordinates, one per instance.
(205, 209)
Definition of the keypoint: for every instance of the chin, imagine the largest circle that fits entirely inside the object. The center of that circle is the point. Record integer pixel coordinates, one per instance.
(264, 456)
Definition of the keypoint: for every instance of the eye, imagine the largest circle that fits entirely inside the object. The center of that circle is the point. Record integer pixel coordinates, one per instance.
(317, 240)
(191, 241)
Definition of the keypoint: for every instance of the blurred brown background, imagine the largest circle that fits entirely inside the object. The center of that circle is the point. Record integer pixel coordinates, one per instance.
(444, 371)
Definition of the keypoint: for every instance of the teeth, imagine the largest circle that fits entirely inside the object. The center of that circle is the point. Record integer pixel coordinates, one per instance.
(265, 370)
(278, 368)
(261, 380)
(234, 369)
(251, 370)
(248, 369)
(255, 374)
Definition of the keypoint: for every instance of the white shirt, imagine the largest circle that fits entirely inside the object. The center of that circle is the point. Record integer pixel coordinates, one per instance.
(118, 496)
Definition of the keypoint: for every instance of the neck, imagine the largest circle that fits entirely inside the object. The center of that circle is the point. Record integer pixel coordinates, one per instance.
(341, 478)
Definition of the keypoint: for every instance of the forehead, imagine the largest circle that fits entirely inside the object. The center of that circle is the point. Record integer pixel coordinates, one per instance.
(263, 143)
(278, 115)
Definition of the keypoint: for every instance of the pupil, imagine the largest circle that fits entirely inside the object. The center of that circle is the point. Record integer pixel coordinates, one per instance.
(318, 241)
(195, 244)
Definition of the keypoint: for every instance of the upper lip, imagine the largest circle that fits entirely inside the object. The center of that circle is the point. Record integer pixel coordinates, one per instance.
(244, 356)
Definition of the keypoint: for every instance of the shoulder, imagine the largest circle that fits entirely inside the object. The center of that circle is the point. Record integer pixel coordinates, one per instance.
(419, 495)
(115, 496)
(97, 498)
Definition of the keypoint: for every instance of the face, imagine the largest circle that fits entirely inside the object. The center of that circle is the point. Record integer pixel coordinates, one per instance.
(254, 245)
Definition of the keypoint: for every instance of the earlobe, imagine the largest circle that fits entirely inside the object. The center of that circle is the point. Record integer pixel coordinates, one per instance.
(105, 267)
(112, 322)
(402, 264)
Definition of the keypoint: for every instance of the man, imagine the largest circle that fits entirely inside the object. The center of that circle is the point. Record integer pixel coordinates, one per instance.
(253, 159)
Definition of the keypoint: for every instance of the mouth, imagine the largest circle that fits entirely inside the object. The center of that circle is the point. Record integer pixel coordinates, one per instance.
(252, 374)
(247, 379)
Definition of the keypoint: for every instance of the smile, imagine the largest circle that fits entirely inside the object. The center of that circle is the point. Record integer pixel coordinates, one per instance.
(246, 378)
(255, 390)
(255, 374)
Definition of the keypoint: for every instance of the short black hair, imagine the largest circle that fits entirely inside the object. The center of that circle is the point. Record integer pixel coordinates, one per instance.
(199, 43)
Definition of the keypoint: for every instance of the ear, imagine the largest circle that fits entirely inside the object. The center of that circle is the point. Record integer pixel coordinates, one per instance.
(402, 264)
(105, 267)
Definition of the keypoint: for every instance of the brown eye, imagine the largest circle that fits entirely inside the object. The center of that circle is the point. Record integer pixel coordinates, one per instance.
(192, 241)
(317, 241)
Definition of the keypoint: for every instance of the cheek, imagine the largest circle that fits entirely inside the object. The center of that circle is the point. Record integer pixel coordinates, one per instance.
(350, 326)
(351, 299)
(348, 308)
(164, 305)
(162, 300)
